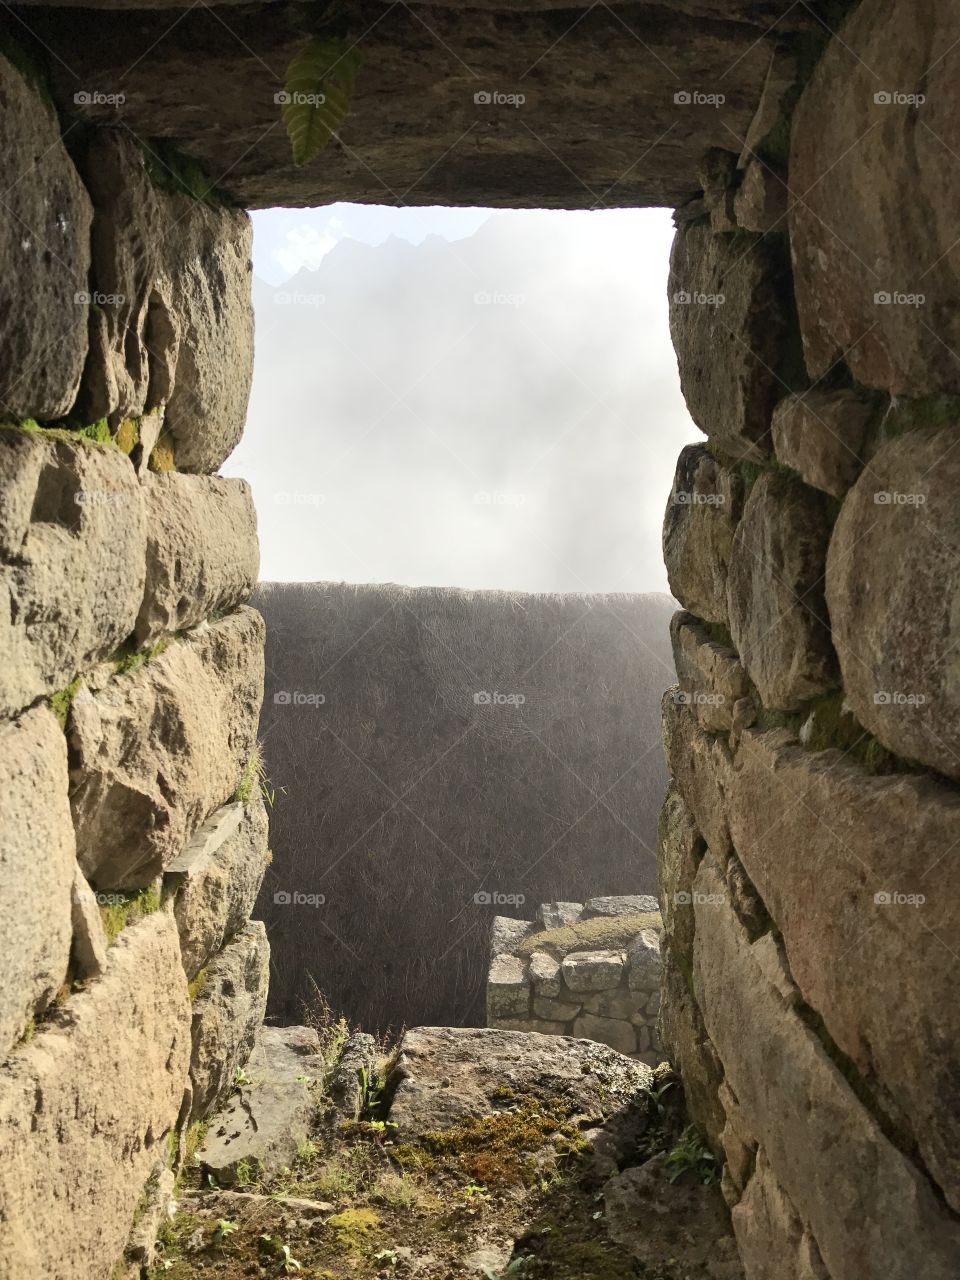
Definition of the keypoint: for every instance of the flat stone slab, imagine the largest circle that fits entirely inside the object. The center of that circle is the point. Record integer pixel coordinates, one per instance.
(593, 970)
(446, 1075)
(624, 905)
(264, 1122)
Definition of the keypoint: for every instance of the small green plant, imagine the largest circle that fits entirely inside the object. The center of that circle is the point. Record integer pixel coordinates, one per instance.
(288, 1263)
(61, 702)
(246, 1173)
(223, 1231)
(386, 1255)
(240, 1077)
(474, 1191)
(515, 1268)
(316, 97)
(691, 1156)
(254, 778)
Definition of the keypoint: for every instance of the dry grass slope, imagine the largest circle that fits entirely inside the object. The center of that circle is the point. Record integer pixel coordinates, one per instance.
(466, 743)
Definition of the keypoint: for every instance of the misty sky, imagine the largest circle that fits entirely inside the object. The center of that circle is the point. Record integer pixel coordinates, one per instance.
(463, 397)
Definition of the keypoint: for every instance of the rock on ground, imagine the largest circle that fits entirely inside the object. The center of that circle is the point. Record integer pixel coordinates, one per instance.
(227, 1013)
(445, 1075)
(265, 1122)
(703, 510)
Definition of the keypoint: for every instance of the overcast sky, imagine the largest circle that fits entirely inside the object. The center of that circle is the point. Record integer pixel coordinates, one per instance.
(463, 397)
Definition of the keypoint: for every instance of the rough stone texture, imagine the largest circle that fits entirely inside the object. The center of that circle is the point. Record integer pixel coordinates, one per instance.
(615, 1032)
(447, 1074)
(820, 838)
(775, 592)
(227, 1014)
(625, 905)
(555, 915)
(644, 1194)
(896, 633)
(820, 434)
(266, 1121)
(728, 324)
(507, 933)
(856, 229)
(700, 764)
(89, 951)
(72, 550)
(202, 551)
(748, 1002)
(679, 848)
(157, 1205)
(508, 991)
(760, 203)
(203, 300)
(45, 252)
(356, 1059)
(548, 152)
(127, 239)
(36, 868)
(592, 970)
(160, 748)
(643, 961)
(705, 505)
(711, 678)
(690, 1050)
(222, 869)
(85, 1106)
(770, 1236)
(545, 974)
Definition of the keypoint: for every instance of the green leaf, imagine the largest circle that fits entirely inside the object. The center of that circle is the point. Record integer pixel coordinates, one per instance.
(316, 98)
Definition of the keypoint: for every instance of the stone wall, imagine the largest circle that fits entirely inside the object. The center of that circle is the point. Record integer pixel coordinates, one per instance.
(590, 970)
(134, 838)
(808, 869)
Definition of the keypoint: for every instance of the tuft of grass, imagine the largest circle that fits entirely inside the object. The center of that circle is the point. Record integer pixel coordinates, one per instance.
(197, 984)
(604, 933)
(116, 916)
(163, 456)
(128, 435)
(826, 722)
(254, 778)
(61, 702)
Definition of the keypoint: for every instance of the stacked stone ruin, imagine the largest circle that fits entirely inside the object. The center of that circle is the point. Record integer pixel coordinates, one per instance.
(809, 877)
(607, 994)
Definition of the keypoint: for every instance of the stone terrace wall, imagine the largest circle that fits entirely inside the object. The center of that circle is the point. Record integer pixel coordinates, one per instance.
(133, 834)
(809, 873)
(544, 978)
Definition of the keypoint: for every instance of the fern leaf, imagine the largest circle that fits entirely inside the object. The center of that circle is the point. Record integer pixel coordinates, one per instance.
(316, 98)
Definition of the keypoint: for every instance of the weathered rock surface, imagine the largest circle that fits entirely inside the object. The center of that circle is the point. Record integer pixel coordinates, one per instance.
(36, 868)
(468, 149)
(202, 551)
(545, 974)
(771, 1238)
(615, 1032)
(820, 434)
(507, 933)
(775, 592)
(160, 748)
(820, 839)
(354, 1066)
(700, 764)
(644, 1194)
(222, 869)
(896, 633)
(748, 1002)
(711, 677)
(227, 1013)
(203, 299)
(45, 251)
(89, 936)
(727, 299)
(266, 1120)
(508, 991)
(760, 203)
(85, 1106)
(705, 505)
(157, 1205)
(643, 961)
(555, 915)
(592, 970)
(446, 1075)
(72, 551)
(679, 849)
(625, 905)
(878, 272)
(127, 239)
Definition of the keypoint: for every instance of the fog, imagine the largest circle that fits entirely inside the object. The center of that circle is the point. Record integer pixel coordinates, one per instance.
(483, 399)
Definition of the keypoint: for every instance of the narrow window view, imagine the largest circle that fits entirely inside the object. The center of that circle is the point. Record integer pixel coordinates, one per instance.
(479, 702)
